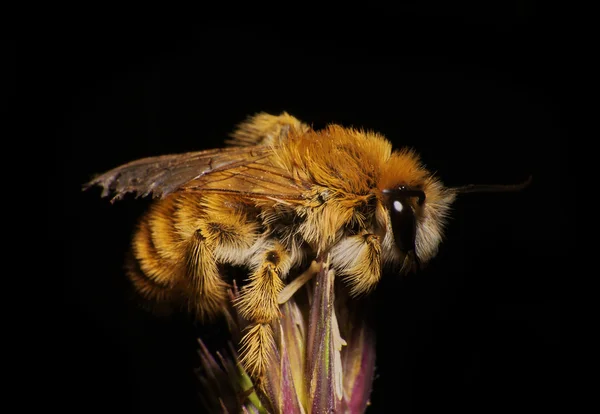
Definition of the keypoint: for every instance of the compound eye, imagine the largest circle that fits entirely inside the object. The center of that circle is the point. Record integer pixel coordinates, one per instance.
(404, 223)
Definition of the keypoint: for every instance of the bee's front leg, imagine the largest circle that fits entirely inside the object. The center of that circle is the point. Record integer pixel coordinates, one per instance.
(357, 259)
(258, 304)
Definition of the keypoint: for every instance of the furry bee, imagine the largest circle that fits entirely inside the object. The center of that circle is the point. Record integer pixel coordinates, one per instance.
(280, 194)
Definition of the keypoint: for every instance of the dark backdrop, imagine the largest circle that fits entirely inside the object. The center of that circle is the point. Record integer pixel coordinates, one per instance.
(478, 92)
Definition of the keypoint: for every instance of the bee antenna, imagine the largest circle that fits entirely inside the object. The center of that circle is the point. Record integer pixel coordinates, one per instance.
(492, 188)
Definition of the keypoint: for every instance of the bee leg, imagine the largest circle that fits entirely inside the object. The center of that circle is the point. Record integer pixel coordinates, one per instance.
(258, 304)
(203, 278)
(357, 259)
(256, 348)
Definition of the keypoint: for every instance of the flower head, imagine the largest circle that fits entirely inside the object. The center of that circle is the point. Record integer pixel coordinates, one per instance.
(323, 358)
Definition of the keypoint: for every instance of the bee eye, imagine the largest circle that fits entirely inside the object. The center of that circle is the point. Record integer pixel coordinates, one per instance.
(404, 224)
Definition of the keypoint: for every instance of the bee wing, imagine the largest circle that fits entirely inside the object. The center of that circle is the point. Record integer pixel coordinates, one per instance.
(226, 170)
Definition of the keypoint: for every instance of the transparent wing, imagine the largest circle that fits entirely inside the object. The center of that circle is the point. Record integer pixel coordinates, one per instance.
(242, 170)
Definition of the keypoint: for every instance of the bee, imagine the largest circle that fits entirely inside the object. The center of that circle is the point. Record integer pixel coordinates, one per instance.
(279, 195)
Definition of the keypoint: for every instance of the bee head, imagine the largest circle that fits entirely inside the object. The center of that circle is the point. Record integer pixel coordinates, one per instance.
(416, 206)
(415, 219)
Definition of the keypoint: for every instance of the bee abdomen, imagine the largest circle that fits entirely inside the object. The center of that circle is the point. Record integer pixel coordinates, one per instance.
(152, 264)
(179, 244)
(153, 295)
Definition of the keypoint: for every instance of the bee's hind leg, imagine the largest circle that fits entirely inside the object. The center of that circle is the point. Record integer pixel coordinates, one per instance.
(204, 279)
(258, 303)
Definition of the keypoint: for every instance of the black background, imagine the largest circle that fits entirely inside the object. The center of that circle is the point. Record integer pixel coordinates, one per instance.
(478, 91)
